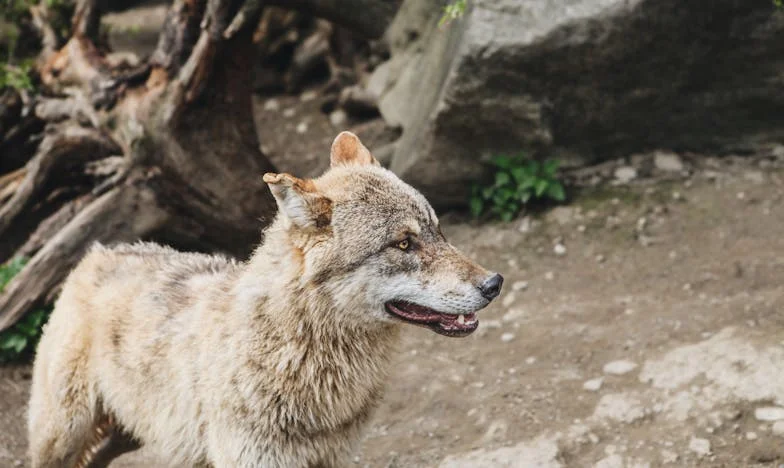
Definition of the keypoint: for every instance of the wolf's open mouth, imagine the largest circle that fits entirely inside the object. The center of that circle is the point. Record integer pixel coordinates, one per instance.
(439, 322)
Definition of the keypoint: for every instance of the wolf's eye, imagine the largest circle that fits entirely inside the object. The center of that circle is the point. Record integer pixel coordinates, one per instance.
(404, 244)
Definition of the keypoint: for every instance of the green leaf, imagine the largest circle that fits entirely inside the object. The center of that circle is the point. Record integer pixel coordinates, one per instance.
(507, 216)
(541, 186)
(526, 184)
(556, 191)
(502, 162)
(476, 205)
(518, 174)
(550, 167)
(501, 179)
(526, 196)
(13, 342)
(487, 193)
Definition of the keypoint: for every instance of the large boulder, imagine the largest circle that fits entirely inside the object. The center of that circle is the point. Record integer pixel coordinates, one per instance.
(581, 80)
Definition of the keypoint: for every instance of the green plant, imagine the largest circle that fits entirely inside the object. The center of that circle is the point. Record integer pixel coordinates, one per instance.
(17, 77)
(19, 341)
(518, 181)
(778, 3)
(452, 11)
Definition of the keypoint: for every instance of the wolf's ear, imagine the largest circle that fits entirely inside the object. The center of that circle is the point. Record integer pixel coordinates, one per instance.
(299, 201)
(347, 150)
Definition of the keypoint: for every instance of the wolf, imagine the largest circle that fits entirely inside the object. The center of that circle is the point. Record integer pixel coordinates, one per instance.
(278, 361)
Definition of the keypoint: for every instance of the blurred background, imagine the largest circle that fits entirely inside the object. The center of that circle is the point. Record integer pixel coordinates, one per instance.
(620, 162)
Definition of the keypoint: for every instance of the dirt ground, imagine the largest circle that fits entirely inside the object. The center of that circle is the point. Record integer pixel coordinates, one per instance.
(655, 338)
(639, 325)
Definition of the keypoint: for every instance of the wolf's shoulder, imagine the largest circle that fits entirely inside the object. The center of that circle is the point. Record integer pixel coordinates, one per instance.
(152, 257)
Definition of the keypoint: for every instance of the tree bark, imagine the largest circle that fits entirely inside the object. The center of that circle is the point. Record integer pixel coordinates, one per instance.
(166, 151)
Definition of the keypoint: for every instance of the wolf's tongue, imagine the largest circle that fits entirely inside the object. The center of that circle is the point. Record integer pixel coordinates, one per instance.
(416, 313)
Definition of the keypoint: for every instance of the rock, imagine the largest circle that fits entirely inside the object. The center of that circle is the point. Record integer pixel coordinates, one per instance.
(272, 105)
(612, 461)
(619, 407)
(541, 452)
(302, 127)
(667, 162)
(751, 436)
(507, 337)
(756, 177)
(769, 413)
(338, 117)
(290, 112)
(515, 74)
(308, 96)
(530, 360)
(559, 249)
(593, 385)
(513, 315)
(778, 428)
(562, 215)
(519, 285)
(668, 456)
(549, 276)
(701, 447)
(625, 174)
(619, 367)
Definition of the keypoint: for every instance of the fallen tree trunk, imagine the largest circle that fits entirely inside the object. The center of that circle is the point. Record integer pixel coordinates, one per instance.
(169, 147)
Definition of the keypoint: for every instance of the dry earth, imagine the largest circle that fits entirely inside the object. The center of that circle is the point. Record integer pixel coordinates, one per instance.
(640, 343)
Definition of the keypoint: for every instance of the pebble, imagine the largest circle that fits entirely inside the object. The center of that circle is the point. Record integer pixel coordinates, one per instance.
(677, 196)
(302, 127)
(593, 385)
(338, 117)
(700, 446)
(289, 112)
(513, 315)
(272, 105)
(559, 250)
(625, 174)
(769, 413)
(308, 96)
(667, 162)
(751, 436)
(549, 276)
(778, 428)
(525, 225)
(668, 456)
(600, 259)
(519, 285)
(507, 337)
(530, 360)
(508, 299)
(619, 367)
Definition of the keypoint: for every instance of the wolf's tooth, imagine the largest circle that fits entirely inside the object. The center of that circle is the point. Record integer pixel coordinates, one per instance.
(461, 319)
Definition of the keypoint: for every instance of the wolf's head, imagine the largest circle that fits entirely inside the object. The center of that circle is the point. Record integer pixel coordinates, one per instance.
(373, 244)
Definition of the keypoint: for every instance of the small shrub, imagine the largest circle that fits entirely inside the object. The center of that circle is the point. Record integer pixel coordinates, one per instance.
(17, 77)
(452, 11)
(18, 342)
(518, 181)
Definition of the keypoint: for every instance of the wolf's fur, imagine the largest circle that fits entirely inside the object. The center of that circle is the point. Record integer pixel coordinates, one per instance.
(277, 362)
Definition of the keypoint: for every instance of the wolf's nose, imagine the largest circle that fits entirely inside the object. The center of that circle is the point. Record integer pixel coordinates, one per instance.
(491, 287)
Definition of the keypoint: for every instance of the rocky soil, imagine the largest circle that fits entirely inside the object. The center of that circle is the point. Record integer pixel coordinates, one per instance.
(640, 325)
